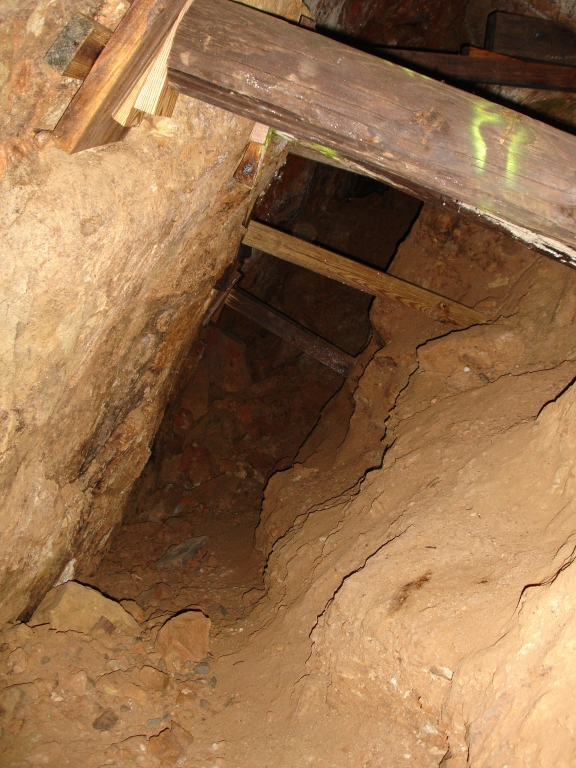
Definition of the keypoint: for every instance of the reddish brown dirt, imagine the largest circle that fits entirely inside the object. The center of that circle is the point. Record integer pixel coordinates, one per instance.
(234, 419)
(408, 515)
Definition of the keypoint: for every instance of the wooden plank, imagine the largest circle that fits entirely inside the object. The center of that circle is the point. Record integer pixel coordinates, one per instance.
(88, 120)
(530, 38)
(248, 167)
(223, 287)
(360, 276)
(151, 93)
(495, 69)
(287, 329)
(444, 145)
(78, 46)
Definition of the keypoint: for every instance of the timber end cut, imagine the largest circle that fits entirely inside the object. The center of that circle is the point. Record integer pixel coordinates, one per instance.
(444, 145)
(78, 46)
(360, 276)
(88, 121)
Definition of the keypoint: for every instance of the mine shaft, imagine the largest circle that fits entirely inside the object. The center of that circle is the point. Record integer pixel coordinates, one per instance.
(288, 401)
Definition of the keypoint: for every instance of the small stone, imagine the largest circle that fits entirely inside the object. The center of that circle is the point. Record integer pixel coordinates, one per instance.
(166, 747)
(154, 722)
(17, 661)
(183, 638)
(184, 737)
(223, 610)
(41, 138)
(132, 691)
(181, 554)
(152, 679)
(202, 669)
(212, 683)
(124, 708)
(78, 682)
(15, 698)
(105, 721)
(204, 704)
(45, 660)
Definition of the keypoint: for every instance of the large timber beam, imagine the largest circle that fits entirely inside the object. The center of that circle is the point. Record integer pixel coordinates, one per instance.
(359, 276)
(287, 329)
(442, 144)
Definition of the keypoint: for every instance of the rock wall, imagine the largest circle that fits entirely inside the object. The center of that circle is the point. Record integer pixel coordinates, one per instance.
(107, 262)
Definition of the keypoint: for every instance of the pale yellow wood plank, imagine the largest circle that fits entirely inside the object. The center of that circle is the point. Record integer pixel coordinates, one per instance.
(359, 276)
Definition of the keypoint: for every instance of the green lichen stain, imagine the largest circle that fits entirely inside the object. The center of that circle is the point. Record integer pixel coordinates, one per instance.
(513, 138)
(331, 153)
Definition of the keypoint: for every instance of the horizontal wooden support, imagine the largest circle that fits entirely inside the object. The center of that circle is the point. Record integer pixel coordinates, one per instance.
(281, 325)
(78, 46)
(529, 37)
(88, 120)
(443, 144)
(492, 68)
(360, 276)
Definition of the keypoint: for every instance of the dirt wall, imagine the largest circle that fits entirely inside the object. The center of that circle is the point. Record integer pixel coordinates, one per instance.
(401, 618)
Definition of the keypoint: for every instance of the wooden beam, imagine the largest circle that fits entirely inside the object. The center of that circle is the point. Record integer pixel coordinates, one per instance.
(287, 329)
(444, 145)
(88, 121)
(247, 170)
(360, 276)
(151, 93)
(223, 287)
(78, 46)
(530, 38)
(491, 68)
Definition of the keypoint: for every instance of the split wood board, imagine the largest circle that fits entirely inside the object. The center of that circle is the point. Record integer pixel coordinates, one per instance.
(88, 120)
(493, 68)
(360, 276)
(530, 38)
(283, 326)
(444, 145)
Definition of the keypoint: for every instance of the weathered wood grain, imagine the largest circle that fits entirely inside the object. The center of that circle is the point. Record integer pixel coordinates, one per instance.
(247, 170)
(359, 276)
(530, 38)
(88, 120)
(441, 143)
(281, 325)
(78, 46)
(493, 68)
